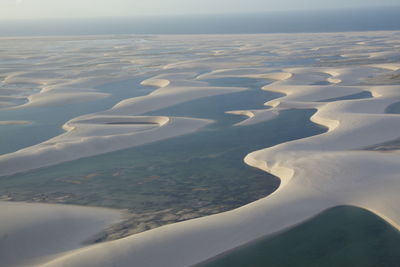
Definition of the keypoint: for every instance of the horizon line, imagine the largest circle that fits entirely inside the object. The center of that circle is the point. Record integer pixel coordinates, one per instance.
(199, 15)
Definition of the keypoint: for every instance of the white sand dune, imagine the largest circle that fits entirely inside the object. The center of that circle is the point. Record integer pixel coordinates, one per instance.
(60, 98)
(254, 73)
(58, 81)
(182, 89)
(316, 173)
(32, 233)
(278, 76)
(169, 96)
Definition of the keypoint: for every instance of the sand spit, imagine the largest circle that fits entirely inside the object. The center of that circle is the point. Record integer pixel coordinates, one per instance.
(317, 173)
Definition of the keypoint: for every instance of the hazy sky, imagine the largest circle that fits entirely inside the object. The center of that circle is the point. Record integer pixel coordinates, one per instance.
(28, 9)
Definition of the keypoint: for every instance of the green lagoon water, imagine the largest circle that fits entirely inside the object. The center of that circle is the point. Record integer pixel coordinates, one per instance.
(342, 236)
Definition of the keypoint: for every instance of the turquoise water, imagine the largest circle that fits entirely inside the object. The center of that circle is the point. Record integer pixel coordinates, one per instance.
(342, 236)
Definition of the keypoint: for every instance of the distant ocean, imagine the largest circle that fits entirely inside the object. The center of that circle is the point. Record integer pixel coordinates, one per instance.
(276, 22)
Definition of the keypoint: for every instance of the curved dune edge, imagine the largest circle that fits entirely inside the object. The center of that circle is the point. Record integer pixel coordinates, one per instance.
(276, 76)
(253, 73)
(169, 96)
(33, 233)
(60, 98)
(317, 173)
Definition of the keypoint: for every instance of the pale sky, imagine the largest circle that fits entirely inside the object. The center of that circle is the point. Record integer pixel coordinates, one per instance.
(40, 9)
